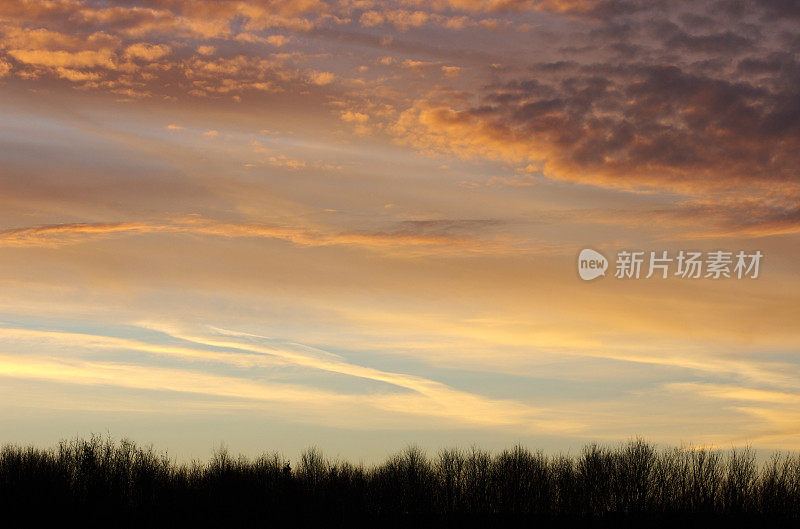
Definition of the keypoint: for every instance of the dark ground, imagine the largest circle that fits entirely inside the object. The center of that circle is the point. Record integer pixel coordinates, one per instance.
(118, 484)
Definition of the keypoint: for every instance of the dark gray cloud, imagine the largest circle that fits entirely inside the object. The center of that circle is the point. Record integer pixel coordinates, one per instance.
(685, 98)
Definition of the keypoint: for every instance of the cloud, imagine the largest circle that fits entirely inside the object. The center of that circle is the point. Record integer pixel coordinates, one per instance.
(760, 215)
(321, 78)
(401, 19)
(739, 393)
(156, 379)
(354, 117)
(772, 415)
(129, 49)
(76, 75)
(651, 99)
(451, 71)
(283, 161)
(634, 126)
(147, 52)
(425, 397)
(206, 50)
(727, 43)
(56, 234)
(476, 5)
(436, 236)
(80, 59)
(686, 100)
(16, 37)
(278, 40)
(59, 51)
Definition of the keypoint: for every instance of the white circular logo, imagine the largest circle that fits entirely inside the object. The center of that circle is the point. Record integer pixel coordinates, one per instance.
(591, 264)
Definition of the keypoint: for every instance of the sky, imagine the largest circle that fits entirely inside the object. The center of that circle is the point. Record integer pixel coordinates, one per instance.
(356, 224)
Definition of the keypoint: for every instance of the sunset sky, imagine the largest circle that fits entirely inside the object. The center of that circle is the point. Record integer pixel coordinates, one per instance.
(355, 224)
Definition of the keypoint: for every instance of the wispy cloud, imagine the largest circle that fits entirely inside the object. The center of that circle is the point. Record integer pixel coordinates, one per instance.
(446, 236)
(773, 415)
(427, 397)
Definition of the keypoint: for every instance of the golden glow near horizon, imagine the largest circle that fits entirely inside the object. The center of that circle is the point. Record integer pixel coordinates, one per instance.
(356, 224)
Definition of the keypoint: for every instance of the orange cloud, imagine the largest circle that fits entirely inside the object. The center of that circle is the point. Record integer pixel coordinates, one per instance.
(354, 117)
(322, 78)
(59, 234)
(474, 5)
(146, 51)
(80, 59)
